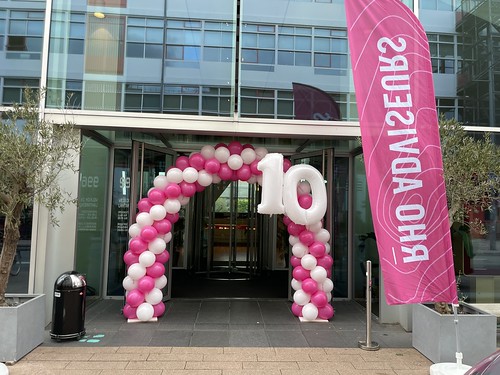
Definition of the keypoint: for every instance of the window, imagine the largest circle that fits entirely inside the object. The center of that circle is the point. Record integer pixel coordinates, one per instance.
(447, 107)
(3, 16)
(13, 89)
(145, 38)
(330, 50)
(437, 5)
(25, 32)
(443, 56)
(257, 103)
(142, 98)
(294, 46)
(183, 40)
(216, 101)
(218, 41)
(181, 99)
(258, 44)
(67, 94)
(61, 40)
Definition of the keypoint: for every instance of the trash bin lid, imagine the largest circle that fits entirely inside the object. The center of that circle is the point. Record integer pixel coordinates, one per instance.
(70, 280)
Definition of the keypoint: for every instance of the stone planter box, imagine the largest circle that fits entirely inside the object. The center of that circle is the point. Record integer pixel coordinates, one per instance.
(434, 336)
(22, 327)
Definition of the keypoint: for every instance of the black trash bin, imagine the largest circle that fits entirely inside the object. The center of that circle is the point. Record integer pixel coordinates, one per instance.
(68, 313)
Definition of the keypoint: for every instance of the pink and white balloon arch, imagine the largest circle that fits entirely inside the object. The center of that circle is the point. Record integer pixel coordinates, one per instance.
(297, 191)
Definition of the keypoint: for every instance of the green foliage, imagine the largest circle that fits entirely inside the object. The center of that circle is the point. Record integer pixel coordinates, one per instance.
(33, 153)
(471, 172)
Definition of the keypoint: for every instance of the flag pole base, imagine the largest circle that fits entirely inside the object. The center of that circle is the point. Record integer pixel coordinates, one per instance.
(450, 368)
(372, 346)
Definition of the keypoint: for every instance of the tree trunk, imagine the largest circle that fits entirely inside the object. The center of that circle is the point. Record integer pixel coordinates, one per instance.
(11, 237)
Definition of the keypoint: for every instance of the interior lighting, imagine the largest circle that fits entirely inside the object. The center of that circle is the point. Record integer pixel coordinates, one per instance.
(99, 15)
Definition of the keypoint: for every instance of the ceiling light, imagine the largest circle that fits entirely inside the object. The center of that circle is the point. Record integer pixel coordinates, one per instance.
(99, 15)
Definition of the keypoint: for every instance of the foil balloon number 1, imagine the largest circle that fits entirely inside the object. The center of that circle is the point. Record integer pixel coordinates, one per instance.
(279, 191)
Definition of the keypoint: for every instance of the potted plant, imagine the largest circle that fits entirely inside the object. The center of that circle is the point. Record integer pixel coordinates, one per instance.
(33, 153)
(471, 174)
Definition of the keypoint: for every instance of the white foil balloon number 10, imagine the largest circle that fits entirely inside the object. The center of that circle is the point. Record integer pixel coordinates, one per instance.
(279, 191)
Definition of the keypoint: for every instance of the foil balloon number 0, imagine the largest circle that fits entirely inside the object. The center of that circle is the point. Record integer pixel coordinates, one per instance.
(279, 191)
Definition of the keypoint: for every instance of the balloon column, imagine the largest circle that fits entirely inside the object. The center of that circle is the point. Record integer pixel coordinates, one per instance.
(159, 211)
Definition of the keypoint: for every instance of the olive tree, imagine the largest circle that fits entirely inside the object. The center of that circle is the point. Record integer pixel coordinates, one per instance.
(33, 153)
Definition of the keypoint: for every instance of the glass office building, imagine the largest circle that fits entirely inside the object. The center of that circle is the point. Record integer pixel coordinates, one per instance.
(146, 82)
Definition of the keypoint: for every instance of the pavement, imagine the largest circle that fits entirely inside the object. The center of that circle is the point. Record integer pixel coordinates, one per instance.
(226, 337)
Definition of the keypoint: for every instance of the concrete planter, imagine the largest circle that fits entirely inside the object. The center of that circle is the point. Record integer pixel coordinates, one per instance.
(22, 327)
(434, 336)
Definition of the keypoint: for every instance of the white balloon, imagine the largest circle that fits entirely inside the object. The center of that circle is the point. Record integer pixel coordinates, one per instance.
(160, 182)
(183, 200)
(235, 162)
(157, 246)
(308, 261)
(303, 188)
(154, 296)
(168, 237)
(327, 248)
(190, 175)
(145, 312)
(315, 227)
(318, 274)
(147, 258)
(174, 175)
(216, 178)
(301, 298)
(248, 155)
(327, 285)
(259, 179)
(172, 206)
(222, 154)
(296, 284)
(323, 235)
(143, 219)
(204, 178)
(161, 282)
(136, 271)
(134, 230)
(293, 210)
(129, 283)
(207, 152)
(158, 212)
(310, 312)
(292, 240)
(261, 153)
(299, 249)
(328, 296)
(252, 180)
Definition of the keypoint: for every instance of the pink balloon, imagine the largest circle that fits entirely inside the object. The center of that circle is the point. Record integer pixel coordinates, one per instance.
(135, 298)
(212, 165)
(253, 168)
(199, 188)
(294, 261)
(148, 233)
(159, 309)
(144, 205)
(295, 229)
(130, 258)
(326, 312)
(172, 191)
(225, 173)
(129, 312)
(197, 161)
(182, 162)
(244, 173)
(297, 309)
(234, 177)
(286, 220)
(248, 145)
(162, 226)
(300, 273)
(286, 164)
(326, 262)
(188, 189)
(156, 196)
(145, 284)
(173, 218)
(317, 249)
(329, 273)
(155, 270)
(309, 286)
(319, 299)
(305, 201)
(235, 147)
(306, 237)
(163, 257)
(137, 245)
(220, 145)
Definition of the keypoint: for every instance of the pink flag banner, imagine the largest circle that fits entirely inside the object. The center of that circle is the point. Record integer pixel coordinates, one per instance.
(402, 154)
(312, 103)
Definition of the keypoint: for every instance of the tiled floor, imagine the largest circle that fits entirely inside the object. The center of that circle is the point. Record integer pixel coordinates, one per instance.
(233, 323)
